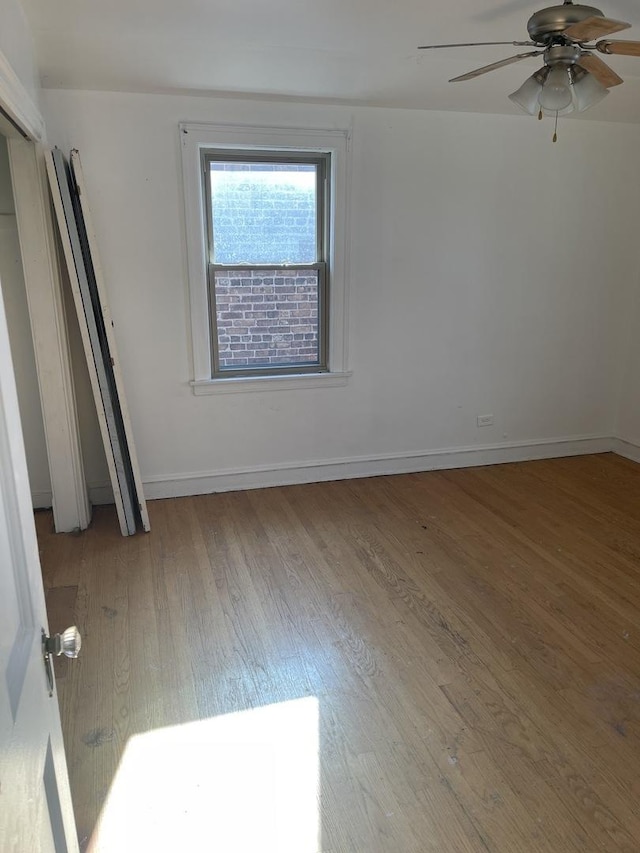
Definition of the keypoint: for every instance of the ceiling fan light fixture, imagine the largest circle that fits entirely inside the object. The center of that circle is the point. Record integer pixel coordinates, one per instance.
(527, 97)
(587, 90)
(569, 36)
(556, 94)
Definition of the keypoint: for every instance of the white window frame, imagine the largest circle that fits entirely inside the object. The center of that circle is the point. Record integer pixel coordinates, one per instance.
(193, 139)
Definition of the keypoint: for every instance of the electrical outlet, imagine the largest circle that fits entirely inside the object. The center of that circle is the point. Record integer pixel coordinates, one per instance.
(484, 420)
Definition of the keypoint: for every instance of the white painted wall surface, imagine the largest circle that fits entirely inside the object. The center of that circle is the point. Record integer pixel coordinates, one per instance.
(628, 425)
(486, 271)
(15, 301)
(16, 43)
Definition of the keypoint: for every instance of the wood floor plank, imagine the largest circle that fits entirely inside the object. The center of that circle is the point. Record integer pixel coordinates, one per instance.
(471, 639)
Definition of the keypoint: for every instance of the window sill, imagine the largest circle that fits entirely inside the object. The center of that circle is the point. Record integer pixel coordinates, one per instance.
(292, 382)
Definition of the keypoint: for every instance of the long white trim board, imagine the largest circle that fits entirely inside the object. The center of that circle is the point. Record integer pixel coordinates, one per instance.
(92, 251)
(99, 346)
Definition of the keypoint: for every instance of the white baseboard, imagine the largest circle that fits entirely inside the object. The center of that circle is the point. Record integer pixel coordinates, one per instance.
(98, 494)
(284, 474)
(627, 449)
(41, 499)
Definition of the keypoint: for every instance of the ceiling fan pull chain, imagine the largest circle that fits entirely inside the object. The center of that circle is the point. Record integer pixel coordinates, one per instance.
(555, 131)
(540, 115)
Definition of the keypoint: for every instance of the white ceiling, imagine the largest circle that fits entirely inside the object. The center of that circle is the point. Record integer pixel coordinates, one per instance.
(355, 51)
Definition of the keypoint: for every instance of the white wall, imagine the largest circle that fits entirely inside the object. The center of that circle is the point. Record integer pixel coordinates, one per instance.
(628, 425)
(16, 43)
(15, 301)
(486, 277)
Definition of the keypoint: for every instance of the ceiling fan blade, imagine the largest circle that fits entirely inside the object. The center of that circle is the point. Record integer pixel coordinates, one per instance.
(495, 65)
(593, 28)
(619, 48)
(476, 44)
(600, 70)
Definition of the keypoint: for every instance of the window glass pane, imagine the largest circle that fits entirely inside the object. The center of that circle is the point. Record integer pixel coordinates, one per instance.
(264, 213)
(265, 317)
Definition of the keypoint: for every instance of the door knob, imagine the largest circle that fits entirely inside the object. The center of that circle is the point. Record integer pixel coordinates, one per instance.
(68, 643)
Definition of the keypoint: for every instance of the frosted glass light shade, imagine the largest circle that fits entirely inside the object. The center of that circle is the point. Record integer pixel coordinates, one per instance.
(572, 86)
(527, 96)
(559, 113)
(556, 94)
(587, 91)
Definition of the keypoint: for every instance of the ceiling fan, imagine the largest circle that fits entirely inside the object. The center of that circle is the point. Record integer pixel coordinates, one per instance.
(573, 78)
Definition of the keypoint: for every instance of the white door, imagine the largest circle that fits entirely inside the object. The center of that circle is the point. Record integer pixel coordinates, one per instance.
(36, 814)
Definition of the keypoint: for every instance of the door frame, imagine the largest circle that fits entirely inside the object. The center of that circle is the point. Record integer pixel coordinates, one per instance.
(22, 123)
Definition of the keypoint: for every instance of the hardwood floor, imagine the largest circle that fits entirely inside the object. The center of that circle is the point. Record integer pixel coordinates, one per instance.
(472, 638)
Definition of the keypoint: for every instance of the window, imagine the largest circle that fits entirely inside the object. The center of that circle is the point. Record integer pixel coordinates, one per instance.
(266, 240)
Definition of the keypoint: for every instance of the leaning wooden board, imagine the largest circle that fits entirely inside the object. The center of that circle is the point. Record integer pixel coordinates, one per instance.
(97, 280)
(58, 173)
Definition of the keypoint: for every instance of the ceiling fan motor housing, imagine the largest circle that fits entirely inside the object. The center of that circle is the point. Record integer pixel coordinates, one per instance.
(567, 54)
(550, 23)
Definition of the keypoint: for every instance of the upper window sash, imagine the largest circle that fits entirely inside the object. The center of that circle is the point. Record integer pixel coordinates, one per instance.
(322, 166)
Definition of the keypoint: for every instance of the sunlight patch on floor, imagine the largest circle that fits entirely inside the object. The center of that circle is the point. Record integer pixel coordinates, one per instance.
(247, 781)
